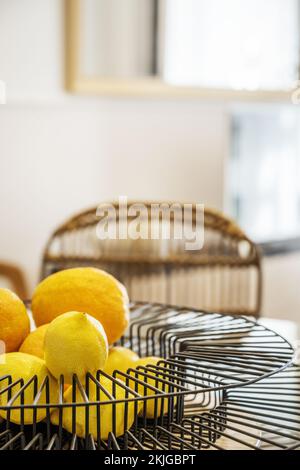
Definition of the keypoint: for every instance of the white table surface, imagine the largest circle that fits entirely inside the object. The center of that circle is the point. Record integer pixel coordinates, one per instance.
(288, 329)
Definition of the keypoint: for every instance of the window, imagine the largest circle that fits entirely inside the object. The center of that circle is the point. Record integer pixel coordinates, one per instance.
(265, 171)
(237, 44)
(246, 45)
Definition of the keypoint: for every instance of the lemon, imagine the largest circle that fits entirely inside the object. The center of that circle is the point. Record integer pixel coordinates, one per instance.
(162, 404)
(120, 358)
(75, 343)
(21, 366)
(87, 290)
(14, 321)
(104, 418)
(34, 343)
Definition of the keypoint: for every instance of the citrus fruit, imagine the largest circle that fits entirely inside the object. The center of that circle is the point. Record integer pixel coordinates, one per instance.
(102, 420)
(20, 366)
(163, 405)
(34, 343)
(87, 290)
(75, 343)
(120, 358)
(14, 321)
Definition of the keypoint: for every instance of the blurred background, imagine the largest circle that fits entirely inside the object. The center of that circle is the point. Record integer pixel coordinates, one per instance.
(165, 100)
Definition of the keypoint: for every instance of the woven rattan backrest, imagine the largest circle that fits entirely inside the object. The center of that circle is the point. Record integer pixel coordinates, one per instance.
(224, 276)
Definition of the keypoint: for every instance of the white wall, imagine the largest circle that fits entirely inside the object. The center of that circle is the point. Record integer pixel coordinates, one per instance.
(31, 52)
(60, 153)
(281, 286)
(56, 159)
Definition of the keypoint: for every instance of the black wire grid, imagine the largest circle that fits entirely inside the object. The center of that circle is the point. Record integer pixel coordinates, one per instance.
(224, 382)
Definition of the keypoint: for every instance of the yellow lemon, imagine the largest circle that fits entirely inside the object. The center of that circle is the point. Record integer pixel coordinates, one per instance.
(104, 417)
(20, 366)
(14, 321)
(75, 343)
(163, 388)
(34, 343)
(120, 358)
(87, 290)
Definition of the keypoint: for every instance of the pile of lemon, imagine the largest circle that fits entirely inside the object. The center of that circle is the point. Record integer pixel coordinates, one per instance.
(79, 313)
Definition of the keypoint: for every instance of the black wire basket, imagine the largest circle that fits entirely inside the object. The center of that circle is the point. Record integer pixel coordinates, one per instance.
(223, 382)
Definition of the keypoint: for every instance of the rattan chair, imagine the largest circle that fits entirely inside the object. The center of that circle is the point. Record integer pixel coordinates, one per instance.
(224, 276)
(14, 278)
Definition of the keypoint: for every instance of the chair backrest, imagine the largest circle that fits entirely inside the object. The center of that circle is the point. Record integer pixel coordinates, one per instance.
(223, 276)
(12, 276)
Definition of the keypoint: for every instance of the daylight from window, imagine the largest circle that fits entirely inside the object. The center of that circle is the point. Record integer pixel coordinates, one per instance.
(235, 44)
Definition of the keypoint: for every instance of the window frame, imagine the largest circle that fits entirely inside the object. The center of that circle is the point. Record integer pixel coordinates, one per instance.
(76, 82)
(268, 247)
(280, 247)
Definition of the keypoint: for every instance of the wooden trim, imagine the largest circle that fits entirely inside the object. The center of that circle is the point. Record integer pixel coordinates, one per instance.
(72, 44)
(156, 88)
